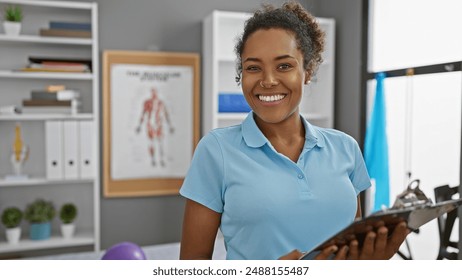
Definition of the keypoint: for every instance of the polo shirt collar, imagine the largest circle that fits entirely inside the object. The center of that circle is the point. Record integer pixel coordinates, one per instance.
(312, 135)
(254, 138)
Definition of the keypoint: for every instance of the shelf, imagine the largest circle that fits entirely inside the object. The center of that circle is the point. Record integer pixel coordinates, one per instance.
(45, 75)
(40, 181)
(45, 40)
(80, 239)
(232, 116)
(53, 4)
(44, 117)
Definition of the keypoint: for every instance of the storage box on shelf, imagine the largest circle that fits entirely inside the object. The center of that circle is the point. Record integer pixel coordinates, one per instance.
(220, 30)
(76, 177)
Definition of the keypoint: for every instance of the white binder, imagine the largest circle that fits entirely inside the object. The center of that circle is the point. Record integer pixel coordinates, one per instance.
(54, 150)
(86, 161)
(71, 153)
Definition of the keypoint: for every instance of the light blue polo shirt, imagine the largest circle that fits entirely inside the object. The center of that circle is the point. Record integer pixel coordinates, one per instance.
(271, 205)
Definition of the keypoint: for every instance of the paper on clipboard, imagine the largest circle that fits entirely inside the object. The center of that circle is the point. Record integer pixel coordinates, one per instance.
(411, 206)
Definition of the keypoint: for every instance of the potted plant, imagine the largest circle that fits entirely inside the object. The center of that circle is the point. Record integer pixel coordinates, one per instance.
(39, 214)
(11, 218)
(12, 19)
(67, 214)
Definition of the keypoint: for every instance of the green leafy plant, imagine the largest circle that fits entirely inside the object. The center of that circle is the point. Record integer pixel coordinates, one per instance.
(11, 217)
(13, 13)
(67, 213)
(40, 211)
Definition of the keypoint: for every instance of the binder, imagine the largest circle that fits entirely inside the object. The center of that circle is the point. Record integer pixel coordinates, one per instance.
(71, 153)
(54, 150)
(86, 161)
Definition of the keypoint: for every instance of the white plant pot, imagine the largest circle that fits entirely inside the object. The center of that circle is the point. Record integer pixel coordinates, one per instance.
(13, 235)
(12, 28)
(67, 230)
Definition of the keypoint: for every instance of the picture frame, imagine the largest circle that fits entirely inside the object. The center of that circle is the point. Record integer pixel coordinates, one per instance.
(150, 121)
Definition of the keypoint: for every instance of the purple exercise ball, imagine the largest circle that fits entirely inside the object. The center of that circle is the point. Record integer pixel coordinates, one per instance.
(124, 251)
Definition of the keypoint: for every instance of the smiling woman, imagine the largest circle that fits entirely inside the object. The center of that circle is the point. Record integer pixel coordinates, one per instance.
(273, 78)
(277, 184)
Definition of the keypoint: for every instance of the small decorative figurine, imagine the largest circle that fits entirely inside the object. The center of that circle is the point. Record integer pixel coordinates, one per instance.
(19, 156)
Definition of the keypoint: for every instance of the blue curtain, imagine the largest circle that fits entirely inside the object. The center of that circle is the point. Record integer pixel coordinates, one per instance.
(376, 147)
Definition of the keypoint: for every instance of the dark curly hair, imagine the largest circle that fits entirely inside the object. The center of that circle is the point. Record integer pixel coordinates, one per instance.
(291, 17)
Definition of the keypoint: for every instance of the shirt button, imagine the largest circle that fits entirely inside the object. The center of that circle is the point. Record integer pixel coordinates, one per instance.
(300, 176)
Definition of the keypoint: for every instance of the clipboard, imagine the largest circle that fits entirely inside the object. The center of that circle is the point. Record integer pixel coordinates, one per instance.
(412, 206)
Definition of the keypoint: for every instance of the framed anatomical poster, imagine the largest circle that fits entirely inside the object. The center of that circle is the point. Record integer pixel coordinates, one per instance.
(150, 121)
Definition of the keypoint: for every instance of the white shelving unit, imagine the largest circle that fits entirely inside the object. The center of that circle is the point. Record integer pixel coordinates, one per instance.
(16, 86)
(41, 181)
(81, 239)
(45, 40)
(220, 30)
(46, 76)
(44, 117)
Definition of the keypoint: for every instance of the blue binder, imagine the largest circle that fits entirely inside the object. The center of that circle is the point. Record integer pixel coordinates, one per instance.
(232, 103)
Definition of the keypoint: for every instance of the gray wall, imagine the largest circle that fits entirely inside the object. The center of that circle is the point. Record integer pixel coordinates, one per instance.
(175, 25)
(348, 16)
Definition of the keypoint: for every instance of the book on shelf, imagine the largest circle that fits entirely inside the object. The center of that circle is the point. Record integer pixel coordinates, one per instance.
(68, 94)
(47, 110)
(46, 102)
(43, 106)
(84, 26)
(55, 87)
(29, 69)
(65, 33)
(62, 63)
(43, 95)
(57, 67)
(64, 60)
(77, 67)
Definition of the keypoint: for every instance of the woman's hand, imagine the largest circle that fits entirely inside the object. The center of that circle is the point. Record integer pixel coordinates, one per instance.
(377, 245)
(323, 255)
(293, 255)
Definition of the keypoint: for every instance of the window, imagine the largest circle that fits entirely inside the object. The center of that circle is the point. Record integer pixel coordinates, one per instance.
(423, 111)
(413, 33)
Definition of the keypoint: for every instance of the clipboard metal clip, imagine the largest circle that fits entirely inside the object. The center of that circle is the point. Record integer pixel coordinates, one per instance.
(411, 197)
